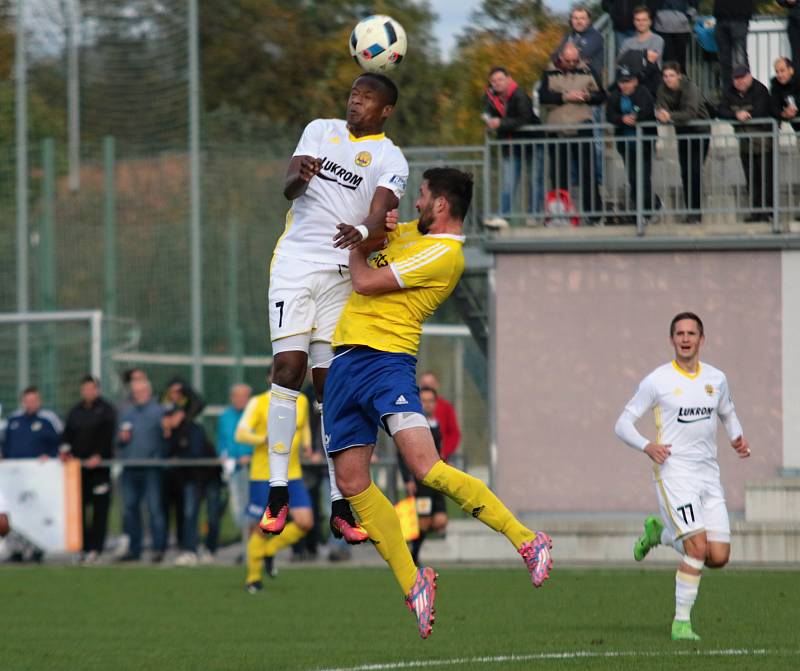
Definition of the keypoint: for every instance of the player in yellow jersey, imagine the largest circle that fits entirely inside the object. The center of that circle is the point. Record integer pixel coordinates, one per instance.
(372, 383)
(253, 430)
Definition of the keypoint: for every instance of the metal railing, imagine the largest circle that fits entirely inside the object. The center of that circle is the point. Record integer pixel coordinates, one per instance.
(704, 172)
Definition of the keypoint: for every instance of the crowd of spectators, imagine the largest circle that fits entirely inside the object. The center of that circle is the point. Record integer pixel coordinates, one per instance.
(147, 438)
(647, 84)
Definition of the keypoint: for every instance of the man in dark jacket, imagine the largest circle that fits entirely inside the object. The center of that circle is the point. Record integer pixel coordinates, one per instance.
(506, 108)
(32, 432)
(570, 89)
(629, 104)
(89, 435)
(747, 99)
(621, 13)
(733, 19)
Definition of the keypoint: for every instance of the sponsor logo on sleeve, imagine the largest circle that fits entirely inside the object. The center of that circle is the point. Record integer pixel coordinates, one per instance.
(398, 180)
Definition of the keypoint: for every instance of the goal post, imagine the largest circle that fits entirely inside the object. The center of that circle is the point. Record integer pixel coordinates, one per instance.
(49, 349)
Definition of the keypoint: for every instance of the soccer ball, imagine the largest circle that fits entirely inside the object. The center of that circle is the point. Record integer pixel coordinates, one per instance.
(378, 43)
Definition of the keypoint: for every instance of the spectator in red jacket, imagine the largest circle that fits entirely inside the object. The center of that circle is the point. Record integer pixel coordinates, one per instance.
(445, 414)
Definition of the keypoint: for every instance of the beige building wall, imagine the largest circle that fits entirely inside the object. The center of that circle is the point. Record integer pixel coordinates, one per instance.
(575, 333)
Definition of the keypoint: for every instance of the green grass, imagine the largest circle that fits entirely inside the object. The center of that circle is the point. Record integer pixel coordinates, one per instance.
(163, 618)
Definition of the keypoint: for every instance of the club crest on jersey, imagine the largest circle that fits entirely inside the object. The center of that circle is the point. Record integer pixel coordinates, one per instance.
(710, 390)
(363, 159)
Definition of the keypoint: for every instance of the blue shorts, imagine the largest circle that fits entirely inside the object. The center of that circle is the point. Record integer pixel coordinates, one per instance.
(259, 494)
(363, 386)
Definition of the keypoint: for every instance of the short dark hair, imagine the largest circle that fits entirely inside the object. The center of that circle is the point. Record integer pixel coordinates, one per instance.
(32, 389)
(389, 88)
(498, 68)
(672, 65)
(580, 8)
(127, 375)
(685, 315)
(90, 378)
(642, 9)
(453, 185)
(431, 390)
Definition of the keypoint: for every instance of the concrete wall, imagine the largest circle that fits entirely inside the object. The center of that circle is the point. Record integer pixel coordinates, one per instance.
(575, 333)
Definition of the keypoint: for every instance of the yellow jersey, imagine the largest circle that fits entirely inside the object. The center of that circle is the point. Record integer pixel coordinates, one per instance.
(427, 268)
(252, 429)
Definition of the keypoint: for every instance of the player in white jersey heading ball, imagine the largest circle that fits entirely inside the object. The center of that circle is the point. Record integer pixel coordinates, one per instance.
(342, 172)
(686, 397)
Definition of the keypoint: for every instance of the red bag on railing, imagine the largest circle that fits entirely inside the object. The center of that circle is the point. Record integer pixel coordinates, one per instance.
(559, 209)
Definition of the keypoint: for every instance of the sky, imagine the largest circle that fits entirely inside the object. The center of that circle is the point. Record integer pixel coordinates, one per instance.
(454, 16)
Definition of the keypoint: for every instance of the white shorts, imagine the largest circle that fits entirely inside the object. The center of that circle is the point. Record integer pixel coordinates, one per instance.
(306, 298)
(690, 505)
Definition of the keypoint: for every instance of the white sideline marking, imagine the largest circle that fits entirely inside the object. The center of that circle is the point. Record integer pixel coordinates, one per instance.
(578, 654)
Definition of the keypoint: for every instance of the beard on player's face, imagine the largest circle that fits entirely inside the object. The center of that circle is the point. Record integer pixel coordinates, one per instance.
(425, 218)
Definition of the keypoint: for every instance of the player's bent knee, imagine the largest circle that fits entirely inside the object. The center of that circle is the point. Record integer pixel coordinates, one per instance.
(303, 518)
(718, 556)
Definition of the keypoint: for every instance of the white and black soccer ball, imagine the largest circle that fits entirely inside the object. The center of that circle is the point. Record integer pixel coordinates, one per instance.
(378, 43)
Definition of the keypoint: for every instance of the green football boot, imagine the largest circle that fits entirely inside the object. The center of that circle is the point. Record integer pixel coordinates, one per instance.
(649, 539)
(682, 631)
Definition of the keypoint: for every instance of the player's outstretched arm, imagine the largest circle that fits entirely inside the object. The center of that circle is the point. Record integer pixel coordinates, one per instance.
(299, 173)
(375, 226)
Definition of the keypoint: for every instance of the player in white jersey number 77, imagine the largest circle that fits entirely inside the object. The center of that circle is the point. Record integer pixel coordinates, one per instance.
(343, 178)
(686, 397)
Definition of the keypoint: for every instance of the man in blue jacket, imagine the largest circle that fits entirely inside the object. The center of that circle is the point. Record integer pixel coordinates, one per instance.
(32, 432)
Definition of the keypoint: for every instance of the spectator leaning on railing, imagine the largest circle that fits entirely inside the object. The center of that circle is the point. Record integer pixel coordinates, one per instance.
(674, 21)
(793, 28)
(746, 99)
(630, 104)
(569, 89)
(506, 108)
(679, 102)
(784, 93)
(733, 19)
(89, 436)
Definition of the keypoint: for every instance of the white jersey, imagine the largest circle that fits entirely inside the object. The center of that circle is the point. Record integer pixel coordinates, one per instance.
(352, 169)
(686, 408)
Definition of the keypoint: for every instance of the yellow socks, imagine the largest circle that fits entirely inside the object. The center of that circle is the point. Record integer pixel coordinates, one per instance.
(477, 499)
(289, 536)
(255, 557)
(260, 546)
(380, 520)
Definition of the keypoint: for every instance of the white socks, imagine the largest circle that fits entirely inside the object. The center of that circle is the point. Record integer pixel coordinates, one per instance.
(686, 587)
(281, 426)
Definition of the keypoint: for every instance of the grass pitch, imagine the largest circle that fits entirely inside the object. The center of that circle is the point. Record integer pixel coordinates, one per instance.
(147, 618)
